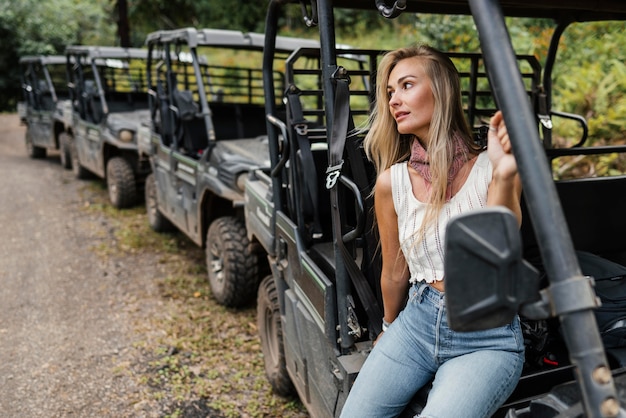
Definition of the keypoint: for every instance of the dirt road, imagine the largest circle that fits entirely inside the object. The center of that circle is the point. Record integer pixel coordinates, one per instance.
(93, 326)
(61, 327)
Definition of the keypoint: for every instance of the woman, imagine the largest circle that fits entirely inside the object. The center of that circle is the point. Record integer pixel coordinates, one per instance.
(429, 169)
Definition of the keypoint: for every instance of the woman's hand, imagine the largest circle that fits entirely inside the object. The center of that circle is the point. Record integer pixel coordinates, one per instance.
(505, 188)
(499, 149)
(378, 338)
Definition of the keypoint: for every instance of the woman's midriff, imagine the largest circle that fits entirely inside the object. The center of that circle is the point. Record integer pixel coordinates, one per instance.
(438, 285)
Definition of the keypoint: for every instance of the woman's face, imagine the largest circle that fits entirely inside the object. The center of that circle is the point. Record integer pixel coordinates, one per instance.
(411, 100)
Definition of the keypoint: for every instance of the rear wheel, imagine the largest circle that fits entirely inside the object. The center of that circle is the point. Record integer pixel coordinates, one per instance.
(156, 220)
(33, 150)
(121, 183)
(232, 266)
(271, 334)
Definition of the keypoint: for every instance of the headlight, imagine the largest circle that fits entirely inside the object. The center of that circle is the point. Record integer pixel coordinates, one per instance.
(241, 181)
(126, 135)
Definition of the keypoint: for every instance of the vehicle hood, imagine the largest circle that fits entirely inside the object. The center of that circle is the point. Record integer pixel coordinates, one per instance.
(248, 152)
(128, 120)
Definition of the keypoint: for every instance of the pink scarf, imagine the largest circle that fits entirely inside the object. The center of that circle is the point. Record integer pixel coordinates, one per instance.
(420, 162)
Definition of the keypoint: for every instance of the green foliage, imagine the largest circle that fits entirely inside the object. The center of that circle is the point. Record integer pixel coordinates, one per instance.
(597, 88)
(149, 15)
(46, 27)
(588, 78)
(447, 32)
(244, 15)
(590, 81)
(146, 16)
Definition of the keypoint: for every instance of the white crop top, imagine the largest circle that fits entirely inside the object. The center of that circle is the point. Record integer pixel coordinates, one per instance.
(426, 260)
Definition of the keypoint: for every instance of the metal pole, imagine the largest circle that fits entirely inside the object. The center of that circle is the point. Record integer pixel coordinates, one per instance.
(269, 50)
(580, 329)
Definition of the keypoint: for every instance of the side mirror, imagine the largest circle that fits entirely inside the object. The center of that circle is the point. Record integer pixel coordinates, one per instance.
(486, 278)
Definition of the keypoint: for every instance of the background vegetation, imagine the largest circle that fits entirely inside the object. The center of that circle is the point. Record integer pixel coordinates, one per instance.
(589, 77)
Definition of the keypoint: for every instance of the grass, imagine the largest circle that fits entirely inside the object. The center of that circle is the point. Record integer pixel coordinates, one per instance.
(206, 360)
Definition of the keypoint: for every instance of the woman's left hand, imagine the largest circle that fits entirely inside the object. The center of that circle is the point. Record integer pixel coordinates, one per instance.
(499, 148)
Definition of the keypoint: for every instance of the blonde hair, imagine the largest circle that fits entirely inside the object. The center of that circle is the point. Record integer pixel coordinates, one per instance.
(385, 146)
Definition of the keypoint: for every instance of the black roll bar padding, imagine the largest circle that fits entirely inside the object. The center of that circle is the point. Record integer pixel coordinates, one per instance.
(206, 109)
(391, 12)
(269, 50)
(171, 79)
(100, 87)
(46, 74)
(579, 327)
(152, 95)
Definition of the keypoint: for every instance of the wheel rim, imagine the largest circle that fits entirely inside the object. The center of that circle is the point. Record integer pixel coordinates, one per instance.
(74, 157)
(271, 334)
(66, 157)
(113, 189)
(152, 202)
(216, 266)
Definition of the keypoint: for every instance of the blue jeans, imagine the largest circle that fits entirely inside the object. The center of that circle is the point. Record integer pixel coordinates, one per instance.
(474, 372)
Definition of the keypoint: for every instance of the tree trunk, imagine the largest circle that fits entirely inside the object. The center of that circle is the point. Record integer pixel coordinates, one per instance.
(123, 28)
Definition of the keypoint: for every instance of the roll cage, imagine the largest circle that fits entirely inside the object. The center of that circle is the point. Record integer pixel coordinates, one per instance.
(574, 306)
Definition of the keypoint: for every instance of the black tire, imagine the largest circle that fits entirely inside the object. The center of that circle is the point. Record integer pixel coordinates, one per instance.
(156, 220)
(232, 266)
(121, 183)
(79, 171)
(65, 152)
(271, 335)
(32, 150)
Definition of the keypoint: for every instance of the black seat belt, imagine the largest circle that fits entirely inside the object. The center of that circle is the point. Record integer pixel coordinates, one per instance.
(300, 129)
(341, 120)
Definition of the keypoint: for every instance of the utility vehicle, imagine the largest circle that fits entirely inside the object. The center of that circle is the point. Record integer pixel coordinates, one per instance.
(320, 308)
(109, 98)
(45, 106)
(206, 132)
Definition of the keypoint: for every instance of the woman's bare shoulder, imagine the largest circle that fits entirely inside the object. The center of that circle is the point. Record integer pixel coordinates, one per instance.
(383, 183)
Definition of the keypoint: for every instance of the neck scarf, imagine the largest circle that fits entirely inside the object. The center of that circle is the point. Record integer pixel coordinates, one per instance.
(419, 160)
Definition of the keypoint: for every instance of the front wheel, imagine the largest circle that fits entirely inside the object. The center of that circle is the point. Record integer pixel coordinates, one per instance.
(231, 265)
(156, 220)
(271, 335)
(79, 171)
(66, 153)
(121, 183)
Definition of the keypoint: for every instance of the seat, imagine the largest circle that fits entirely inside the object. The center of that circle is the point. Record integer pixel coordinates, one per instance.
(193, 136)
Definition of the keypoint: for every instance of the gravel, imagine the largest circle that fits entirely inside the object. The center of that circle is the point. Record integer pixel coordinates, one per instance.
(89, 323)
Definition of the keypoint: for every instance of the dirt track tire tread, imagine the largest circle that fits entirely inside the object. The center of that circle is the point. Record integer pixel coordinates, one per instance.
(271, 334)
(232, 266)
(121, 183)
(157, 221)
